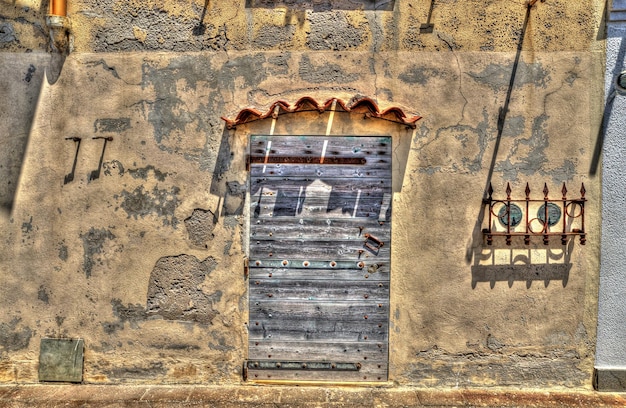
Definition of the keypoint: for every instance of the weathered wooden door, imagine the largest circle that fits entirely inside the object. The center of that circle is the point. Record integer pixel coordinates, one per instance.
(320, 221)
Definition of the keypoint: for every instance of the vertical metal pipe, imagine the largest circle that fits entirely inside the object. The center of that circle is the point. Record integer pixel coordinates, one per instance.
(58, 8)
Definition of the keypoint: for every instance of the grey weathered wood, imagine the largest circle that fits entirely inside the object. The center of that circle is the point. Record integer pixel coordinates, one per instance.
(339, 290)
(313, 147)
(365, 312)
(369, 169)
(318, 330)
(318, 274)
(325, 250)
(291, 230)
(319, 289)
(369, 372)
(371, 351)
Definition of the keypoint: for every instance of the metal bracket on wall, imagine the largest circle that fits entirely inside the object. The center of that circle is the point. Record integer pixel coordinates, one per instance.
(554, 217)
(427, 27)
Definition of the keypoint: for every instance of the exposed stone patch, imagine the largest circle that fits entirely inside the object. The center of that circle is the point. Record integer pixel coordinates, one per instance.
(13, 338)
(153, 28)
(115, 125)
(332, 31)
(93, 245)
(270, 36)
(179, 289)
(140, 203)
(200, 226)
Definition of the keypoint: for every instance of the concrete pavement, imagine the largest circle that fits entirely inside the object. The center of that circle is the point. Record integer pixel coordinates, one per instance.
(110, 396)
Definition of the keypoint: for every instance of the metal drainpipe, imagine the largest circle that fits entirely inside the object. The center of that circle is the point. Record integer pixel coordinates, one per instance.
(58, 8)
(59, 25)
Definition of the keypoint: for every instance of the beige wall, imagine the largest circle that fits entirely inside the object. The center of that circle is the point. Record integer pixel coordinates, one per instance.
(80, 259)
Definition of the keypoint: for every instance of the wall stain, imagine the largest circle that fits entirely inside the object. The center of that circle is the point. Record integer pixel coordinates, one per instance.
(133, 314)
(93, 244)
(29, 74)
(112, 166)
(13, 338)
(142, 173)
(140, 203)
(43, 295)
(63, 251)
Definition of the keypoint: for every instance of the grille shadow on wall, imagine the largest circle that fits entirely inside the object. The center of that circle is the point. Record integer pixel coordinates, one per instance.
(514, 231)
(324, 5)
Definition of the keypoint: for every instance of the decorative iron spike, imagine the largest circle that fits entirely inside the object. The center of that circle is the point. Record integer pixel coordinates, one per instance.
(527, 191)
(508, 191)
(545, 190)
(582, 190)
(564, 191)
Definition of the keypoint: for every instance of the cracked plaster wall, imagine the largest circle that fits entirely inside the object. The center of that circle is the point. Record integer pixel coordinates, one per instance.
(142, 254)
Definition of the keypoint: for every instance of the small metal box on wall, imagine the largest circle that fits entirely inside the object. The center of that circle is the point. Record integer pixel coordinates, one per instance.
(61, 360)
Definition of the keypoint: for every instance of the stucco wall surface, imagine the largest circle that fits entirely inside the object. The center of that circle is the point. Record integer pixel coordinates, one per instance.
(133, 238)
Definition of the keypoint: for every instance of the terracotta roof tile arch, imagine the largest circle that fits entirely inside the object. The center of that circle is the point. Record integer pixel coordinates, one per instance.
(364, 105)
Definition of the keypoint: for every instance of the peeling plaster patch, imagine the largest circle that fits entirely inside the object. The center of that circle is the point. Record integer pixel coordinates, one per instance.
(325, 73)
(162, 203)
(332, 31)
(142, 173)
(113, 166)
(180, 289)
(93, 244)
(111, 125)
(43, 295)
(498, 76)
(12, 338)
(200, 226)
(270, 36)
